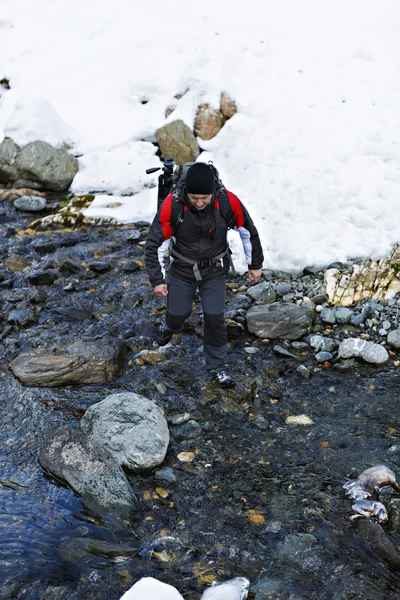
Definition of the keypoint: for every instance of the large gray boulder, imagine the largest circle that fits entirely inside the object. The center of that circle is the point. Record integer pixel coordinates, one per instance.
(368, 351)
(279, 320)
(393, 338)
(91, 472)
(130, 427)
(94, 360)
(177, 141)
(38, 164)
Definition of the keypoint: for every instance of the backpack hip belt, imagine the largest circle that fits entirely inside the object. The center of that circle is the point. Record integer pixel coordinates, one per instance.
(202, 263)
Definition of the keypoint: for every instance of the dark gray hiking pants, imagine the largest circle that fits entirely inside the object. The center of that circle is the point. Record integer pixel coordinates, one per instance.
(179, 308)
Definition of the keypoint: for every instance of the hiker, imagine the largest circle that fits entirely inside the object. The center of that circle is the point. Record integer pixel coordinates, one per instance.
(196, 220)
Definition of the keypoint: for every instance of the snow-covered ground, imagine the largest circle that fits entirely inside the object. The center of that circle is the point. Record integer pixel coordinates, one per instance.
(314, 151)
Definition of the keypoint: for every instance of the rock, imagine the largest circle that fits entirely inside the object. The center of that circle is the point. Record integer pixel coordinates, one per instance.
(320, 298)
(41, 277)
(91, 472)
(132, 429)
(343, 315)
(30, 203)
(303, 371)
(176, 141)
(38, 163)
(328, 316)
(370, 279)
(15, 193)
(227, 106)
(262, 292)
(345, 365)
(368, 351)
(280, 351)
(52, 168)
(322, 357)
(187, 431)
(283, 288)
(208, 122)
(94, 360)
(22, 317)
(321, 343)
(8, 154)
(279, 321)
(393, 338)
(59, 593)
(73, 314)
(165, 474)
(82, 549)
(374, 534)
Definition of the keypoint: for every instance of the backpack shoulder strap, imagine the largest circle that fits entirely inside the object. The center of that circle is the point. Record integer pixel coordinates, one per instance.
(226, 208)
(177, 211)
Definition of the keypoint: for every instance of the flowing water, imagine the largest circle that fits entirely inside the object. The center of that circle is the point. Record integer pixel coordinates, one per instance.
(262, 499)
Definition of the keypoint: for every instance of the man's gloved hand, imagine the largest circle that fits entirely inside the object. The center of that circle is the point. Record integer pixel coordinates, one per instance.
(253, 276)
(161, 291)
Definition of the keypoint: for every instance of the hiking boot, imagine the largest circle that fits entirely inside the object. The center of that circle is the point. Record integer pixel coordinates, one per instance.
(223, 377)
(163, 336)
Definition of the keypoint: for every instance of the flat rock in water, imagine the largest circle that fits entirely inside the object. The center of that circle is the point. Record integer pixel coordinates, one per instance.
(130, 427)
(91, 472)
(95, 360)
(279, 320)
(30, 203)
(368, 351)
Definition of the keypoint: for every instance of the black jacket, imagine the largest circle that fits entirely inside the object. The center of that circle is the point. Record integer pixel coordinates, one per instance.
(201, 236)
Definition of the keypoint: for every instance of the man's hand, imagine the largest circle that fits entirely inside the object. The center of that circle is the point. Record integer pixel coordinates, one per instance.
(161, 291)
(253, 276)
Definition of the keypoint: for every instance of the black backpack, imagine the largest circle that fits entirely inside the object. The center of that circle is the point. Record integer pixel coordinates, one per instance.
(178, 184)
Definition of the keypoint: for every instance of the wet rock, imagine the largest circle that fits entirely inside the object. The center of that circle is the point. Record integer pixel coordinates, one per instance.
(100, 266)
(268, 589)
(280, 351)
(303, 371)
(393, 338)
(322, 357)
(130, 427)
(95, 360)
(283, 288)
(279, 321)
(368, 351)
(59, 593)
(22, 317)
(262, 292)
(321, 343)
(345, 365)
(328, 316)
(343, 315)
(300, 549)
(375, 536)
(208, 122)
(165, 474)
(73, 314)
(68, 266)
(42, 277)
(78, 550)
(91, 472)
(187, 431)
(30, 203)
(320, 298)
(177, 141)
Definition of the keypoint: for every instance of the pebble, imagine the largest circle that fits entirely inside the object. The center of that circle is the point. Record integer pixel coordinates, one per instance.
(323, 356)
(303, 371)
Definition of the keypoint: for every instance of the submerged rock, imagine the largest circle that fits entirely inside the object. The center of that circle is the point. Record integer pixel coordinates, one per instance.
(91, 472)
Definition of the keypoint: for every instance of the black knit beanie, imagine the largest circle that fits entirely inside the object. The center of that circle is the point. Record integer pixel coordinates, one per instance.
(199, 179)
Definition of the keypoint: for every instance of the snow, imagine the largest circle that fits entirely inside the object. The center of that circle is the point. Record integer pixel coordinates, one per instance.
(313, 152)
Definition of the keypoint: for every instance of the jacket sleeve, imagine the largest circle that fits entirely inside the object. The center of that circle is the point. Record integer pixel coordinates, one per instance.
(160, 231)
(248, 233)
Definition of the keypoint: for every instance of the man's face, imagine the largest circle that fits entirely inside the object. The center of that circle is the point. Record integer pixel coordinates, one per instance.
(200, 201)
